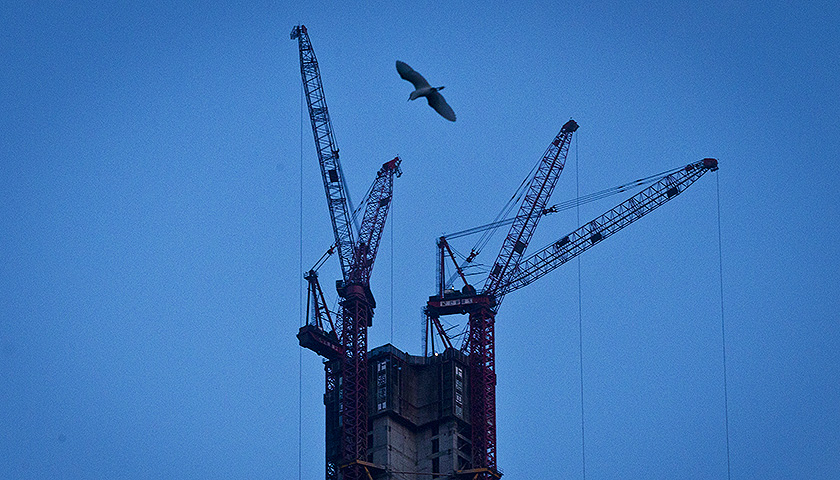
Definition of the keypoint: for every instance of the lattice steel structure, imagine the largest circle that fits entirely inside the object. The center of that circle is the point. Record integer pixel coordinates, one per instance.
(325, 144)
(588, 235)
(346, 370)
(512, 270)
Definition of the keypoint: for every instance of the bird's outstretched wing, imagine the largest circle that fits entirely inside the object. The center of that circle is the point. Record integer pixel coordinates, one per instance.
(408, 73)
(437, 102)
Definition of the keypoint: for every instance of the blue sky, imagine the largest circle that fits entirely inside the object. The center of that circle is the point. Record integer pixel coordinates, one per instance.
(161, 198)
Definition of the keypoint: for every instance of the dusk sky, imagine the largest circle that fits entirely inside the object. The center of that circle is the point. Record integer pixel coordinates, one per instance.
(161, 199)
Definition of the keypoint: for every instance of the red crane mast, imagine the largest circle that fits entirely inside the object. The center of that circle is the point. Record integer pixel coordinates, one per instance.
(357, 316)
(481, 340)
(346, 350)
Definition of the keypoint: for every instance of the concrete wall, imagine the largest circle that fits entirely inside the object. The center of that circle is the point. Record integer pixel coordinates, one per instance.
(418, 409)
(419, 412)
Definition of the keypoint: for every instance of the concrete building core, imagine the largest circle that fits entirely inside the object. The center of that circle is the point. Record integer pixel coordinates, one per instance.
(418, 415)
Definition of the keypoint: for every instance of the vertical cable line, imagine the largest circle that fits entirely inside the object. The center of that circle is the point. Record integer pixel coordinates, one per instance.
(300, 300)
(723, 332)
(580, 318)
(392, 269)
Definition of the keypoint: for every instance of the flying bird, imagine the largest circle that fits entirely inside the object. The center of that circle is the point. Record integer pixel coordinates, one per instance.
(423, 89)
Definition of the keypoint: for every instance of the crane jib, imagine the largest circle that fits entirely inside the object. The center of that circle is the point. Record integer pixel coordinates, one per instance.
(598, 229)
(325, 145)
(538, 192)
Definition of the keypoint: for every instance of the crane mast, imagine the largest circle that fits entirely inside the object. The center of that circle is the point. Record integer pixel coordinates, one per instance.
(357, 316)
(481, 340)
(345, 351)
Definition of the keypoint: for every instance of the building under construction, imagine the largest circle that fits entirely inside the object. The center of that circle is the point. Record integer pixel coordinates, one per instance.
(418, 415)
(391, 415)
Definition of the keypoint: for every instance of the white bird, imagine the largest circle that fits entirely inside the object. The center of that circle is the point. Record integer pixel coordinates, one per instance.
(423, 89)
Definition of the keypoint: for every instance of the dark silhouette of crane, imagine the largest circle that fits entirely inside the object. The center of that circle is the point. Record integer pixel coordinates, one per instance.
(344, 342)
(345, 348)
(512, 271)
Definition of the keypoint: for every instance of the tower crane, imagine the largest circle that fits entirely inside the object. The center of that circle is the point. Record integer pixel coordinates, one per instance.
(345, 350)
(512, 271)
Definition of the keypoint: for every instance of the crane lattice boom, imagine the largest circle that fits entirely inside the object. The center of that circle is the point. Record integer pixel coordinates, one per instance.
(535, 201)
(325, 144)
(586, 236)
(373, 221)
